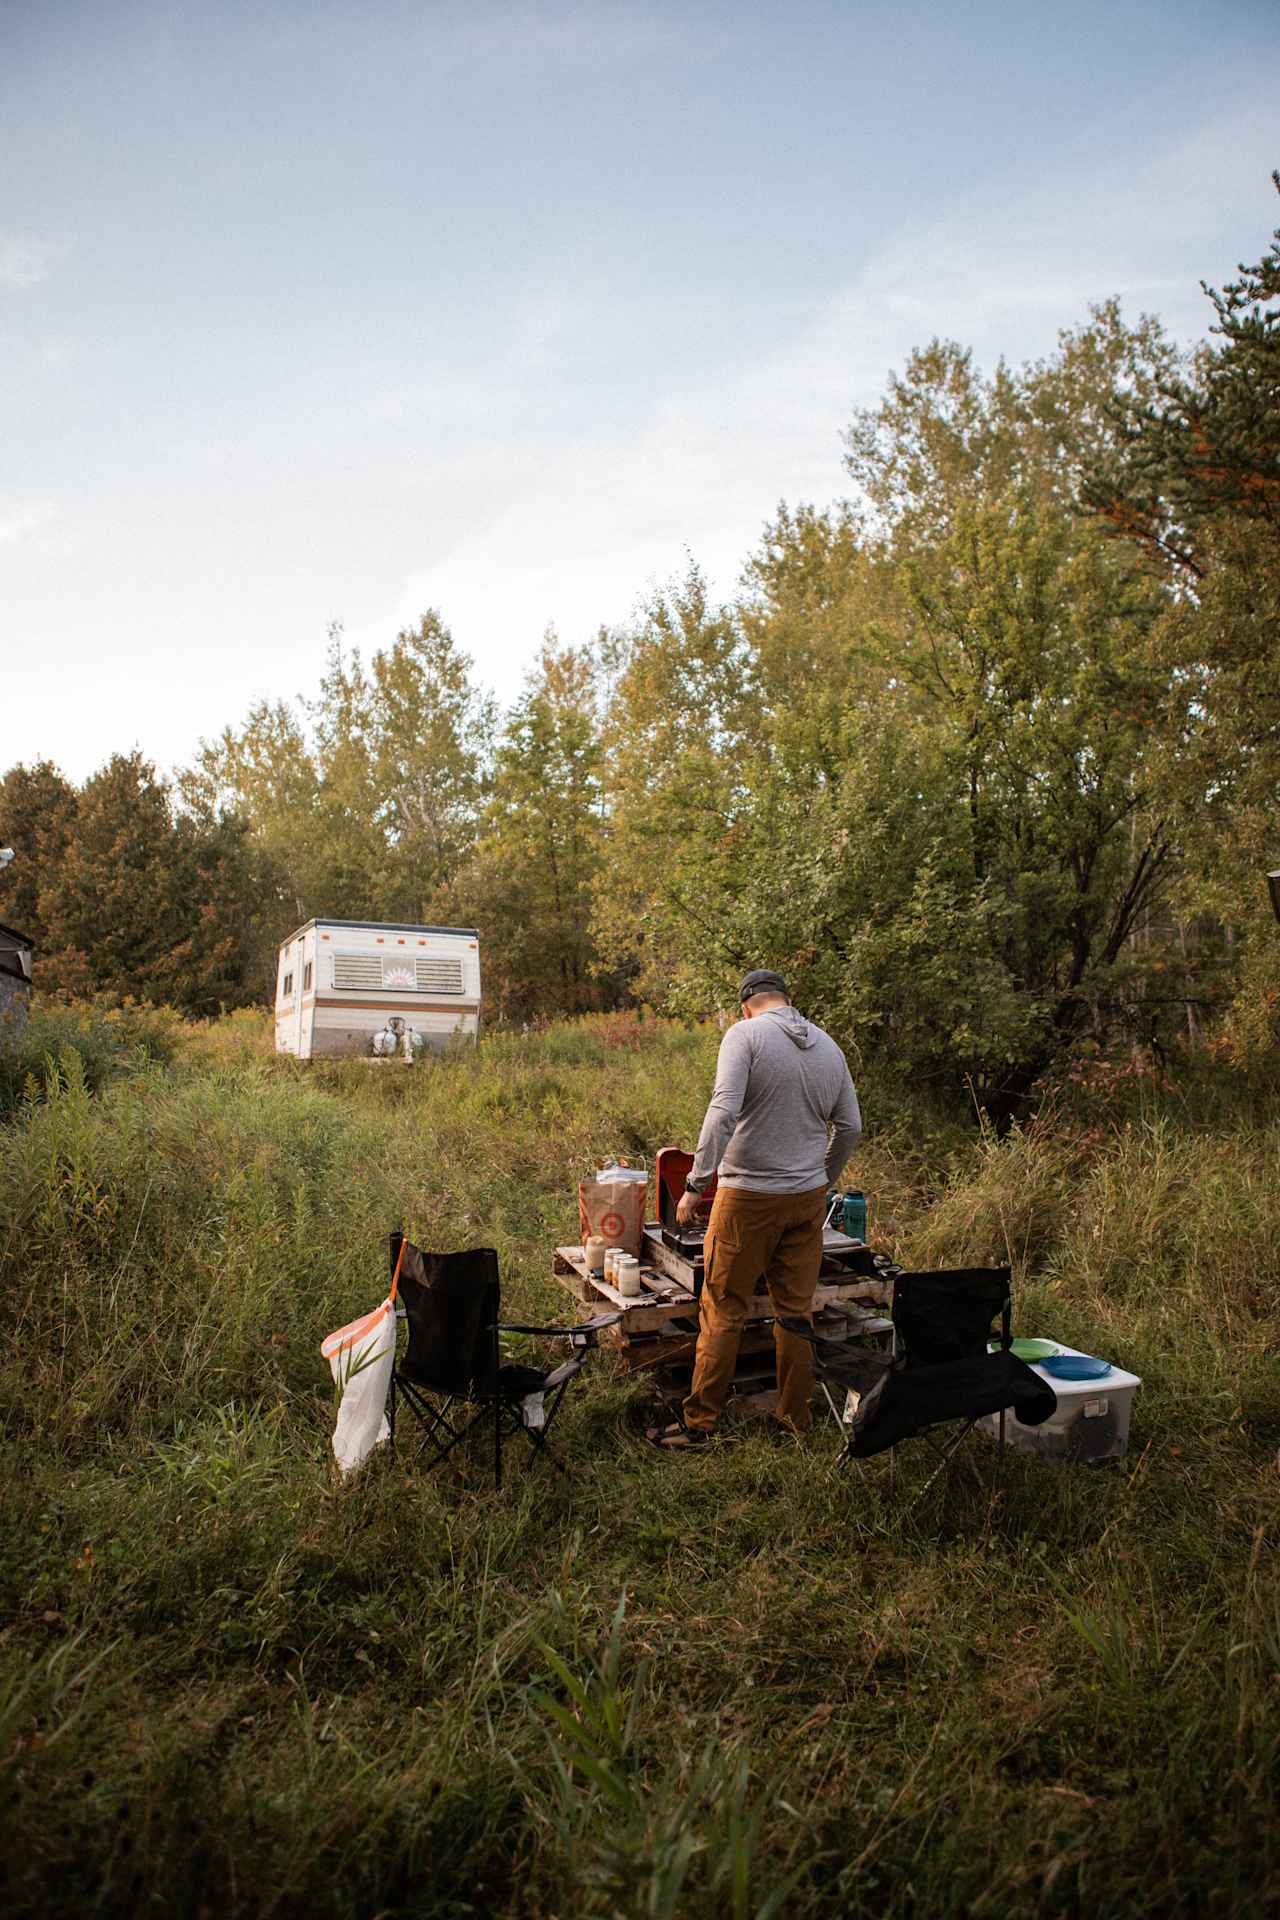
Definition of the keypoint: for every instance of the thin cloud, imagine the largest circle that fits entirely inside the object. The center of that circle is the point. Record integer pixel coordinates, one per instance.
(575, 533)
(28, 517)
(567, 35)
(25, 262)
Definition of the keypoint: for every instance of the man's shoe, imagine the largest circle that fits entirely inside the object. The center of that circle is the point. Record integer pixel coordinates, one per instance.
(677, 1438)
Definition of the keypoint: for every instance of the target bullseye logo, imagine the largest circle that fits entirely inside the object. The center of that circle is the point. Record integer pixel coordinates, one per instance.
(611, 1225)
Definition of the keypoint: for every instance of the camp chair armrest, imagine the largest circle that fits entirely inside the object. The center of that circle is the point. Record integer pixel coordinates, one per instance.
(564, 1333)
(794, 1324)
(564, 1372)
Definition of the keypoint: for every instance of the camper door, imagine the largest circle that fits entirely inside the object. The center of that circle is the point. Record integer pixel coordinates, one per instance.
(299, 1014)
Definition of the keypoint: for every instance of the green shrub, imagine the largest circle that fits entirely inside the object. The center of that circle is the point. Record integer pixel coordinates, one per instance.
(106, 1040)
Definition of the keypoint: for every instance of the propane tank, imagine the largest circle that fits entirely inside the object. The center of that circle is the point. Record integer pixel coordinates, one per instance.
(386, 1041)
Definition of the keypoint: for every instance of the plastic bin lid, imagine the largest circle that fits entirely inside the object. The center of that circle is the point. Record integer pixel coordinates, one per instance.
(1075, 1366)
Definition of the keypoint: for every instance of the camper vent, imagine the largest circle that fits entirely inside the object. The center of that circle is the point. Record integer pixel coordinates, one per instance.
(371, 972)
(439, 976)
(357, 970)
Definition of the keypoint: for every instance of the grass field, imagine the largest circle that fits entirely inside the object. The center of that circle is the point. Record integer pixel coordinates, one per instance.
(731, 1685)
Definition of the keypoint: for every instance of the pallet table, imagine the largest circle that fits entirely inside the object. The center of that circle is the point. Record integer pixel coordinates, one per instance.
(659, 1328)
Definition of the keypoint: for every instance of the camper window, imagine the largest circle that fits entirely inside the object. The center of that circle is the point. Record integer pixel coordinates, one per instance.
(287, 987)
(306, 978)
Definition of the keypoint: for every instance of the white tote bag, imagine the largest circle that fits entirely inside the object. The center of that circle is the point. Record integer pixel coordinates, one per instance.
(360, 1357)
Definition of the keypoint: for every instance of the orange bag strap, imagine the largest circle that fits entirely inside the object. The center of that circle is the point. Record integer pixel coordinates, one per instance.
(395, 1278)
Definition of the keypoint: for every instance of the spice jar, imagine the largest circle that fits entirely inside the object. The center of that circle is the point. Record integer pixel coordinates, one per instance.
(626, 1274)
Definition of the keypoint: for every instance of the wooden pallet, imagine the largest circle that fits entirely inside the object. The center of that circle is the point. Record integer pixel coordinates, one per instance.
(659, 1328)
(661, 1298)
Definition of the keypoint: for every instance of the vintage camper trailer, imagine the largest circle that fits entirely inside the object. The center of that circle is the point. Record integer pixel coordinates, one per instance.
(341, 985)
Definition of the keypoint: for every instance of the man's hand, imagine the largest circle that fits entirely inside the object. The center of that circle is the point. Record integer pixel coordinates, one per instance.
(687, 1207)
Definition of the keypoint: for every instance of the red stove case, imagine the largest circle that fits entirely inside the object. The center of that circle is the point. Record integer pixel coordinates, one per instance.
(671, 1169)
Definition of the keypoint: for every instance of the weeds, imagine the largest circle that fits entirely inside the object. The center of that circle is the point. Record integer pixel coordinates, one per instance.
(229, 1684)
(633, 1851)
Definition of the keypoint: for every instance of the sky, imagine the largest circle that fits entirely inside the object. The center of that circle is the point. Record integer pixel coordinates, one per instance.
(315, 312)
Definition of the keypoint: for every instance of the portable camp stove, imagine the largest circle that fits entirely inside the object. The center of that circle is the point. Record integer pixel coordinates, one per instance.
(841, 1253)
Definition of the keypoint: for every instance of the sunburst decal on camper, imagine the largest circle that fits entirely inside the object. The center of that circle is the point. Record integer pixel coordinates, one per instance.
(396, 974)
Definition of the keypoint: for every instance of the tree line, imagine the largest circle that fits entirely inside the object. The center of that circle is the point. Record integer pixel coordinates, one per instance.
(986, 755)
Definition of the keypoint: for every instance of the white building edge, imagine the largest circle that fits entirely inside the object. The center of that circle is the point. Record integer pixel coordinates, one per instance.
(341, 982)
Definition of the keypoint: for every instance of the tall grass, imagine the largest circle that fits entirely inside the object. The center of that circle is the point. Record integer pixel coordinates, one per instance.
(228, 1684)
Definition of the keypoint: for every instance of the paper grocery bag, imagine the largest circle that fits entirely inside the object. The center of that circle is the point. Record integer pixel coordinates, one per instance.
(611, 1203)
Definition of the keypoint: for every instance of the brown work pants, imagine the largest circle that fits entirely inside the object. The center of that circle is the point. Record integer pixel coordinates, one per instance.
(777, 1237)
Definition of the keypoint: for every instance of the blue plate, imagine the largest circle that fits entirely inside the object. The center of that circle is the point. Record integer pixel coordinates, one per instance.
(1074, 1366)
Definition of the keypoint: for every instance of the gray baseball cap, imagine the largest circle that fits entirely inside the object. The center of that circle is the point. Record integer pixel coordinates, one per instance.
(761, 980)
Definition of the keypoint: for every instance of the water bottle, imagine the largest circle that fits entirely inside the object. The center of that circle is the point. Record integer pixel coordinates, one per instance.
(855, 1214)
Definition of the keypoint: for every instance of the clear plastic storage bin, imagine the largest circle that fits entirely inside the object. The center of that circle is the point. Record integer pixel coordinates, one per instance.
(1091, 1423)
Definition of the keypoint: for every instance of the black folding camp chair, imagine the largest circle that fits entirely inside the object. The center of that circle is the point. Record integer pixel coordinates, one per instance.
(452, 1374)
(941, 1374)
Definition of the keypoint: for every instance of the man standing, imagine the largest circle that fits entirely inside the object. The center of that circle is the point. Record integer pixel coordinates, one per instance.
(782, 1122)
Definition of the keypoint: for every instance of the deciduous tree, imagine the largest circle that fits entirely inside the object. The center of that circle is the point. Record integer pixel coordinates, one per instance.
(529, 886)
(1194, 484)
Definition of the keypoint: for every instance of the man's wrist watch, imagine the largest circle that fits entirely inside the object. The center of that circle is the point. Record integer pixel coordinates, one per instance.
(695, 1191)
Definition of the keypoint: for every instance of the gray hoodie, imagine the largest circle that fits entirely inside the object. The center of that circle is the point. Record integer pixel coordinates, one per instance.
(784, 1116)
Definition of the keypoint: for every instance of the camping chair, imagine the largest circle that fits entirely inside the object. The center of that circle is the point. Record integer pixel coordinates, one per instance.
(452, 1375)
(941, 1373)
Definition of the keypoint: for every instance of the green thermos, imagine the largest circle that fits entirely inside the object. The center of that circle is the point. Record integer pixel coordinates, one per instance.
(848, 1212)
